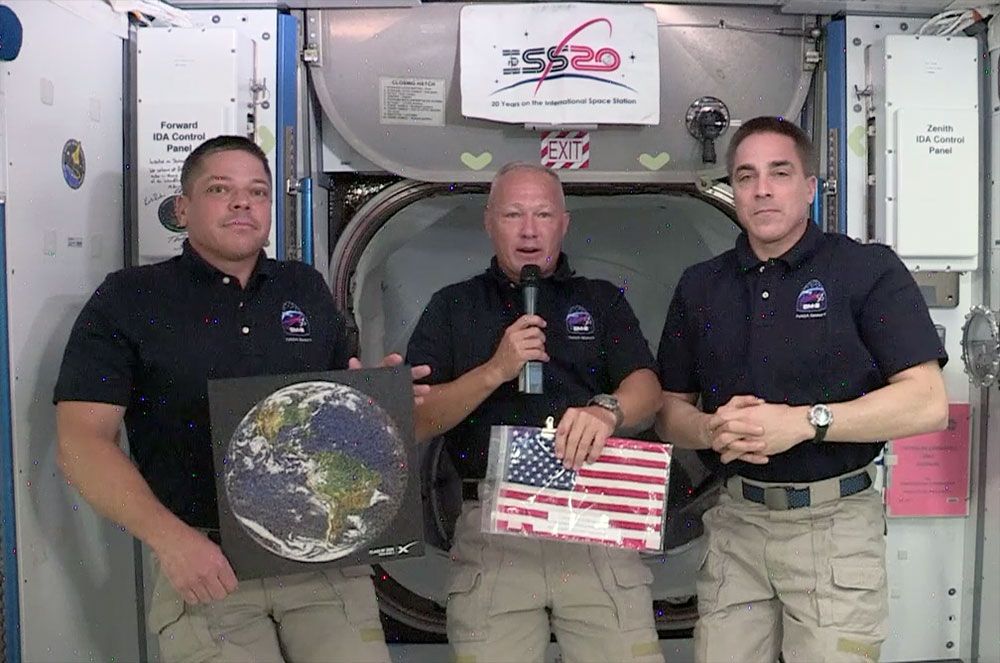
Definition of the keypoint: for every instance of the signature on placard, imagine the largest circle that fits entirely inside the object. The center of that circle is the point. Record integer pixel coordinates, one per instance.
(151, 198)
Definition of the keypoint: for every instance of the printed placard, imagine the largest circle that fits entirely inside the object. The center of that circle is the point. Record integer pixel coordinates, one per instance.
(929, 474)
(413, 101)
(565, 149)
(167, 134)
(560, 63)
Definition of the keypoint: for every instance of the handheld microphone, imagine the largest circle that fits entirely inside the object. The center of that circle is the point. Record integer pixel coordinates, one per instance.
(530, 379)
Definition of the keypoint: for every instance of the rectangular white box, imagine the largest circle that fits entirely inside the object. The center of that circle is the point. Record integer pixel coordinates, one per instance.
(191, 84)
(924, 153)
(937, 183)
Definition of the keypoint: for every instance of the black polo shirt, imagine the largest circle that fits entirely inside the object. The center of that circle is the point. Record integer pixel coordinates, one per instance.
(150, 338)
(829, 321)
(592, 338)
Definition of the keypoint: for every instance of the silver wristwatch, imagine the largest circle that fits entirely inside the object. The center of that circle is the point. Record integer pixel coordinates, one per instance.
(609, 403)
(820, 416)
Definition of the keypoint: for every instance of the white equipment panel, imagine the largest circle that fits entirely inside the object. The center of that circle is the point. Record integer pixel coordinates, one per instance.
(931, 561)
(64, 234)
(924, 102)
(191, 84)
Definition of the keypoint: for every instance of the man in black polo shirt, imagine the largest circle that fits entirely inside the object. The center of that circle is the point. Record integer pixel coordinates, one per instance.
(597, 378)
(143, 349)
(806, 351)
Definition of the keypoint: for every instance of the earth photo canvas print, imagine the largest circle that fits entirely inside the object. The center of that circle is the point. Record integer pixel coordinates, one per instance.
(315, 469)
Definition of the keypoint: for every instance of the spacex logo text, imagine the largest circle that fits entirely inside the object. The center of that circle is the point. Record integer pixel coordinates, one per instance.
(564, 60)
(392, 551)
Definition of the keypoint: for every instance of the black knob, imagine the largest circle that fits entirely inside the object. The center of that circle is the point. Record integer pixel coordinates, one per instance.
(707, 118)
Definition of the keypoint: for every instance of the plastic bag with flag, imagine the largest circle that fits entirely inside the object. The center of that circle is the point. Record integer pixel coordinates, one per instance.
(619, 500)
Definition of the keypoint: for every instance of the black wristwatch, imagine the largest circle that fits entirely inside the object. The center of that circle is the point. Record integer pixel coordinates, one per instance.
(609, 403)
(820, 416)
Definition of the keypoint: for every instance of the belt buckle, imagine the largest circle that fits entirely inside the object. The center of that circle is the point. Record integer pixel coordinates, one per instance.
(776, 498)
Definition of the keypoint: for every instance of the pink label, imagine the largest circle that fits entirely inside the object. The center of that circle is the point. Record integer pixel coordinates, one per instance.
(930, 473)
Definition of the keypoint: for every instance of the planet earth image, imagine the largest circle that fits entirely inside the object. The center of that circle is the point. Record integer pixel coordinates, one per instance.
(315, 471)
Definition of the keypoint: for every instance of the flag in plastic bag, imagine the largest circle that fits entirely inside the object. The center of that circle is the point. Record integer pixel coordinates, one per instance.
(618, 500)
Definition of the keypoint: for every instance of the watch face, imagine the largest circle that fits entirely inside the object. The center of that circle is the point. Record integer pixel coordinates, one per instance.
(820, 415)
(609, 402)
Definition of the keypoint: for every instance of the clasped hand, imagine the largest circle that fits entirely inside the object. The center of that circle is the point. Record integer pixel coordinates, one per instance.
(750, 429)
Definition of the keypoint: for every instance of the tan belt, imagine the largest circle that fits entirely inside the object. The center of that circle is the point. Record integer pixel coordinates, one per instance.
(785, 496)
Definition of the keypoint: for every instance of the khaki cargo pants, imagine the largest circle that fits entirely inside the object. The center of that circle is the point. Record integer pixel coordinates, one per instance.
(322, 617)
(808, 583)
(502, 590)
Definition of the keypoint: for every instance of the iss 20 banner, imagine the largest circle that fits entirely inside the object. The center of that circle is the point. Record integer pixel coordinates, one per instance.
(560, 63)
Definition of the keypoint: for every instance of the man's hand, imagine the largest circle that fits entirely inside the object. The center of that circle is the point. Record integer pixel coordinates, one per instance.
(733, 435)
(782, 426)
(522, 342)
(195, 566)
(416, 373)
(581, 435)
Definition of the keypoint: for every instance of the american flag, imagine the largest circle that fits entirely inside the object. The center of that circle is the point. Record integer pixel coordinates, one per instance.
(619, 500)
